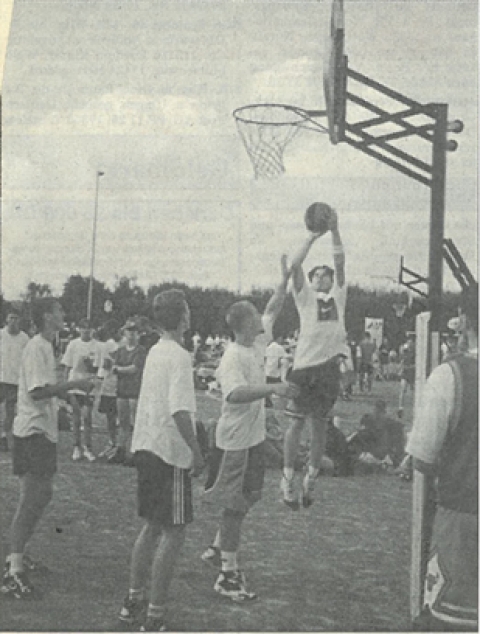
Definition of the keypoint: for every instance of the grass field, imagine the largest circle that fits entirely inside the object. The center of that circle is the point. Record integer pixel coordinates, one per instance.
(342, 565)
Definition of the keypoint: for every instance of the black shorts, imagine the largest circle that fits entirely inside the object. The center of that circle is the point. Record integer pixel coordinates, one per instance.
(8, 392)
(108, 405)
(319, 388)
(83, 400)
(366, 368)
(164, 491)
(235, 478)
(34, 454)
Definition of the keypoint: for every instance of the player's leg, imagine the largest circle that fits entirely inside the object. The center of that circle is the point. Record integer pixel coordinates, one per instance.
(87, 425)
(77, 427)
(123, 409)
(3, 431)
(291, 444)
(318, 426)
(401, 396)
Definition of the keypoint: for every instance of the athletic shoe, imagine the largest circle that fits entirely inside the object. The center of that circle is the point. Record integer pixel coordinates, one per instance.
(109, 449)
(133, 611)
(4, 444)
(77, 453)
(287, 486)
(87, 453)
(153, 625)
(212, 557)
(29, 564)
(308, 488)
(232, 585)
(118, 457)
(17, 586)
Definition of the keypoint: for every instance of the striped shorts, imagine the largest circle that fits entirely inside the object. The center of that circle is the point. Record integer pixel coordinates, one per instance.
(164, 492)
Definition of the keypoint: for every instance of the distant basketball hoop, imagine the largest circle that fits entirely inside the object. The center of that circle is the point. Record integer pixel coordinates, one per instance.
(267, 129)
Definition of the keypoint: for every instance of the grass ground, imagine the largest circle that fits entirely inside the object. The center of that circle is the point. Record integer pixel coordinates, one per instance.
(342, 565)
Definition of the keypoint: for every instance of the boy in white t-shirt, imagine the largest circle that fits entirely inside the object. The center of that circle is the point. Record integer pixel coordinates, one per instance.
(236, 472)
(79, 361)
(12, 343)
(320, 301)
(108, 390)
(166, 454)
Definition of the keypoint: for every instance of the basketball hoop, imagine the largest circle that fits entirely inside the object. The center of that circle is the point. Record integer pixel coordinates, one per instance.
(267, 129)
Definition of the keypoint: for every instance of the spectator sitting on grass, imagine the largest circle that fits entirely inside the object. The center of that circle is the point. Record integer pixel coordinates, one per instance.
(378, 435)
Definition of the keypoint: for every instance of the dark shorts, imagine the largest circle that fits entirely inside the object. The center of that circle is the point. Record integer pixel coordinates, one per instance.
(34, 454)
(8, 392)
(408, 374)
(164, 491)
(235, 478)
(366, 368)
(108, 405)
(319, 388)
(82, 400)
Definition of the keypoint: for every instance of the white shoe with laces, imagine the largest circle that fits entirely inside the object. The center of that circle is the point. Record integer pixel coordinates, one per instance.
(87, 453)
(77, 454)
(290, 498)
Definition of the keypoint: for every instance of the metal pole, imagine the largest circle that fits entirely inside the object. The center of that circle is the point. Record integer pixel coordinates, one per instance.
(437, 223)
(94, 237)
(239, 253)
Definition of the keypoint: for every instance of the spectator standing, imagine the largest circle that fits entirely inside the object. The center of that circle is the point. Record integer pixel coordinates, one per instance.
(108, 389)
(12, 344)
(407, 370)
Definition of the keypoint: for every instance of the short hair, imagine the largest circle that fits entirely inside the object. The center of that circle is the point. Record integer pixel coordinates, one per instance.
(237, 313)
(328, 270)
(41, 307)
(84, 323)
(469, 306)
(169, 307)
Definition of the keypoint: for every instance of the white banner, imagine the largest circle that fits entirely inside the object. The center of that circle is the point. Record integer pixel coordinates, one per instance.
(374, 326)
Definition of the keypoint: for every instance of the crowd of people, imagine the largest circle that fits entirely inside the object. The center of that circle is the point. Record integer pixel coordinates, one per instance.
(144, 384)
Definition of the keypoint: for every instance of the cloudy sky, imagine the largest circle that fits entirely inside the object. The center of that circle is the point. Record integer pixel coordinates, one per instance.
(144, 90)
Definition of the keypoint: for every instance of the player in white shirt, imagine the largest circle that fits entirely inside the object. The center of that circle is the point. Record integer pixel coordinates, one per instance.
(35, 437)
(108, 390)
(320, 301)
(12, 343)
(167, 454)
(79, 361)
(236, 472)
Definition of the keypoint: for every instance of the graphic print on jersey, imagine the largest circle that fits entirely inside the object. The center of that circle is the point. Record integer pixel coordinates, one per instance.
(327, 310)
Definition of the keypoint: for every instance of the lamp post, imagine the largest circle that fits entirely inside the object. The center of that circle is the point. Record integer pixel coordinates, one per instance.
(94, 236)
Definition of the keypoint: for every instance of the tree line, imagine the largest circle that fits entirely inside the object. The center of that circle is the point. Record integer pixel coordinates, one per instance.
(209, 305)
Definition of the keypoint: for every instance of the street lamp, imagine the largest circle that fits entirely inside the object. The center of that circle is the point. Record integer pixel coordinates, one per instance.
(94, 236)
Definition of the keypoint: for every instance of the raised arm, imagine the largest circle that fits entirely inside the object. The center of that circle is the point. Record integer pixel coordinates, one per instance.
(299, 258)
(338, 252)
(277, 300)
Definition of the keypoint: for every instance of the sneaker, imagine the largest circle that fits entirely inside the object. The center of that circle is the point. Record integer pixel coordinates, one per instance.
(212, 557)
(118, 457)
(153, 625)
(308, 487)
(88, 454)
(4, 444)
(17, 586)
(29, 564)
(77, 453)
(232, 585)
(133, 611)
(109, 449)
(287, 486)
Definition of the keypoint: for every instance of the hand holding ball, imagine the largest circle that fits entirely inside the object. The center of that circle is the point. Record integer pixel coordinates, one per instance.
(320, 218)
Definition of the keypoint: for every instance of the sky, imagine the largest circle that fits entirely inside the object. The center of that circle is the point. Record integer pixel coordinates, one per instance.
(144, 91)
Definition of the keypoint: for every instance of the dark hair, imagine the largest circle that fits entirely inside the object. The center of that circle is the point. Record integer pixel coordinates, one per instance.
(236, 314)
(469, 306)
(84, 323)
(169, 307)
(40, 308)
(328, 270)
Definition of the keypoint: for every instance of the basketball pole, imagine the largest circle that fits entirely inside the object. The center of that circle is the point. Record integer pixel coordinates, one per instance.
(94, 238)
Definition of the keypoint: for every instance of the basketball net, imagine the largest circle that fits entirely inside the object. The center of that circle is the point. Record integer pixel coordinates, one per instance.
(267, 129)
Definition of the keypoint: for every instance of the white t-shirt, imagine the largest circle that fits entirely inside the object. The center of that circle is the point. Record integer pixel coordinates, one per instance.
(273, 360)
(77, 350)
(322, 325)
(167, 388)
(105, 351)
(37, 370)
(242, 425)
(11, 350)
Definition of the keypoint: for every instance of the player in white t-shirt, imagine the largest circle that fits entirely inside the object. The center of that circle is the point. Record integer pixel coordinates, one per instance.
(320, 301)
(108, 390)
(35, 437)
(79, 361)
(236, 470)
(12, 343)
(167, 454)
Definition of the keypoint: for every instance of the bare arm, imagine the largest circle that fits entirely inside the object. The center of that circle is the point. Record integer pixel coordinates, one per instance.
(299, 258)
(61, 389)
(184, 424)
(250, 393)
(338, 252)
(277, 300)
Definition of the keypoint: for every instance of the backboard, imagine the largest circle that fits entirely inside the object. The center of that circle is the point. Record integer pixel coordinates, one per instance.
(335, 73)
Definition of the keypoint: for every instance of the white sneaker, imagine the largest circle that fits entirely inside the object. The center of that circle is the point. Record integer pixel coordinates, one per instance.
(287, 487)
(77, 453)
(88, 454)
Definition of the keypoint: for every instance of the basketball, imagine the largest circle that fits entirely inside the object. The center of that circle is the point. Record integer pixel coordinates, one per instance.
(317, 217)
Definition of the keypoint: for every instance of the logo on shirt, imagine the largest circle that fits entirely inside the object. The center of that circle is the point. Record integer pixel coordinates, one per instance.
(327, 310)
